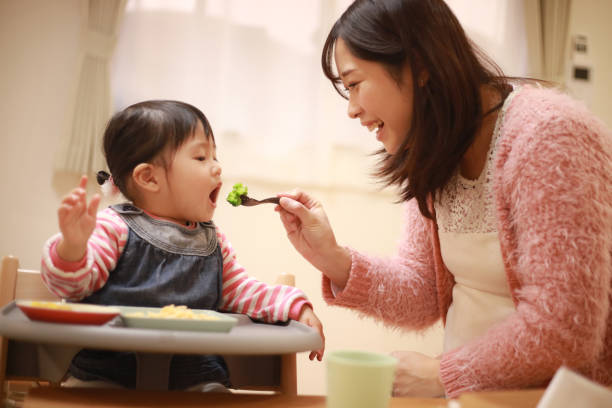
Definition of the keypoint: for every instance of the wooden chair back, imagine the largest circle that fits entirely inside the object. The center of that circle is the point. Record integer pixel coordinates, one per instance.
(17, 283)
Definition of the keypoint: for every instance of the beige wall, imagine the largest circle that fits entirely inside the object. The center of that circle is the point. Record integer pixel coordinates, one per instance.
(38, 48)
(592, 18)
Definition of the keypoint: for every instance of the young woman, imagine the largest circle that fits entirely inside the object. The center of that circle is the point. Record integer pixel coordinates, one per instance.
(508, 198)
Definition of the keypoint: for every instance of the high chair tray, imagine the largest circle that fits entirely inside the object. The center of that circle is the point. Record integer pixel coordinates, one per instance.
(246, 336)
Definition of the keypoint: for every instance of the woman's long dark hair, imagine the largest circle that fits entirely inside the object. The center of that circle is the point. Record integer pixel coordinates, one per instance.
(447, 110)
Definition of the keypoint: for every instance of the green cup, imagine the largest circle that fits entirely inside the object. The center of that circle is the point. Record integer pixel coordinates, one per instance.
(359, 379)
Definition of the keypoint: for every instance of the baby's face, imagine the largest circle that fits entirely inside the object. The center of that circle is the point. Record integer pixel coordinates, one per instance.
(194, 179)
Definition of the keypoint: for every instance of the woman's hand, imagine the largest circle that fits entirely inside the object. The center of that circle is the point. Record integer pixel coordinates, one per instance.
(308, 318)
(311, 234)
(77, 221)
(417, 375)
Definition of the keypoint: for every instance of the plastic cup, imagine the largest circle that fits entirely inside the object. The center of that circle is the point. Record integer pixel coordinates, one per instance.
(359, 379)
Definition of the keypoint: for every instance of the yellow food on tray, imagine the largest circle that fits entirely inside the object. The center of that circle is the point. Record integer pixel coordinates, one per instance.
(50, 305)
(174, 312)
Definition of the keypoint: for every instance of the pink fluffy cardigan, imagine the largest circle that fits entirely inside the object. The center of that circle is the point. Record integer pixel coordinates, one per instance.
(553, 191)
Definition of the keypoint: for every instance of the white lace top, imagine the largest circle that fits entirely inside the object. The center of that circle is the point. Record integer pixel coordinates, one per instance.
(465, 213)
(469, 205)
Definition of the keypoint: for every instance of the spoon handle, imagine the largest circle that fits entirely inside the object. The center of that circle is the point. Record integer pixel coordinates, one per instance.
(248, 201)
(271, 200)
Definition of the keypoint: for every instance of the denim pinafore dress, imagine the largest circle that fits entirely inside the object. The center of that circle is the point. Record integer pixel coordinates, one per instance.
(162, 263)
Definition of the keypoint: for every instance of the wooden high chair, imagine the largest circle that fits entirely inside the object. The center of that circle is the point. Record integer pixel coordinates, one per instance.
(274, 372)
(18, 283)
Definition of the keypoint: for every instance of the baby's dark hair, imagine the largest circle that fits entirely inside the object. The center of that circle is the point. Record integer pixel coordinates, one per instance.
(141, 132)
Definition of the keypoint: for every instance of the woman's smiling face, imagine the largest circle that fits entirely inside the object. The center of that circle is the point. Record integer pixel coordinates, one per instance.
(375, 97)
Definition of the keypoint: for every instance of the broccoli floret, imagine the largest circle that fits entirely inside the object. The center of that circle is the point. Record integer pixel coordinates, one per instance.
(238, 190)
(234, 199)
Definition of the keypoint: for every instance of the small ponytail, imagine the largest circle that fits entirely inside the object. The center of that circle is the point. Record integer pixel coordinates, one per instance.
(105, 180)
(102, 177)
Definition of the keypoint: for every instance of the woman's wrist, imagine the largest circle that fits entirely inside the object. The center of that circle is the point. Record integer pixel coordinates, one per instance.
(436, 373)
(337, 265)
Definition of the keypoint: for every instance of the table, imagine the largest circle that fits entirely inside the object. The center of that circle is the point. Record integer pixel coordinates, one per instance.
(42, 349)
(67, 398)
(502, 399)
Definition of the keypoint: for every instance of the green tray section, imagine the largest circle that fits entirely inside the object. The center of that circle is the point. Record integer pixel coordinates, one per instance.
(218, 323)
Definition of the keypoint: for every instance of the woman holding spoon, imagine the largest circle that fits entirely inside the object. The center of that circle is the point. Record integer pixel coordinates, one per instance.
(507, 188)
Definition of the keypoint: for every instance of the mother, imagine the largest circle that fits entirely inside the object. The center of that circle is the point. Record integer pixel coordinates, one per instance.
(508, 197)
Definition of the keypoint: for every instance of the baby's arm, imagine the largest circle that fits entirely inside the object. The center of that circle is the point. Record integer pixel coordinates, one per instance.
(77, 221)
(243, 294)
(308, 317)
(76, 279)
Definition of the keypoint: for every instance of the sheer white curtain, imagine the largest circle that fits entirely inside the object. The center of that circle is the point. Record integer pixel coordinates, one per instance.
(79, 150)
(498, 27)
(547, 28)
(555, 24)
(253, 67)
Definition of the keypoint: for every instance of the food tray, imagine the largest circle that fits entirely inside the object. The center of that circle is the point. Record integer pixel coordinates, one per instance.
(138, 317)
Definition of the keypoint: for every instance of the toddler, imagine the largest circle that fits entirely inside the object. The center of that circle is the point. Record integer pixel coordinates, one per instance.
(160, 248)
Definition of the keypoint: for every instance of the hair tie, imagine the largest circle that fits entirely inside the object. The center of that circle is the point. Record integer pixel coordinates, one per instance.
(102, 177)
(107, 183)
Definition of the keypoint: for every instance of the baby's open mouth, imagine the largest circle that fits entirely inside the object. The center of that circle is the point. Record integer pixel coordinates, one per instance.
(215, 194)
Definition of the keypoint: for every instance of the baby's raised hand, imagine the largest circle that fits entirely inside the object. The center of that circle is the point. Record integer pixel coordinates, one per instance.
(77, 221)
(308, 318)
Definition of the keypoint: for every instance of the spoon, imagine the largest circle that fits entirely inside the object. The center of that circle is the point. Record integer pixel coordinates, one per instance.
(249, 202)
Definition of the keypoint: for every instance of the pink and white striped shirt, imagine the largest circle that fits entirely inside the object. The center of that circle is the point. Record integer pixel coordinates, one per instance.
(240, 293)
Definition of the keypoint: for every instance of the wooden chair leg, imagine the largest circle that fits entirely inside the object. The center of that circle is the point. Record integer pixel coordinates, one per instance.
(288, 362)
(3, 355)
(289, 377)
